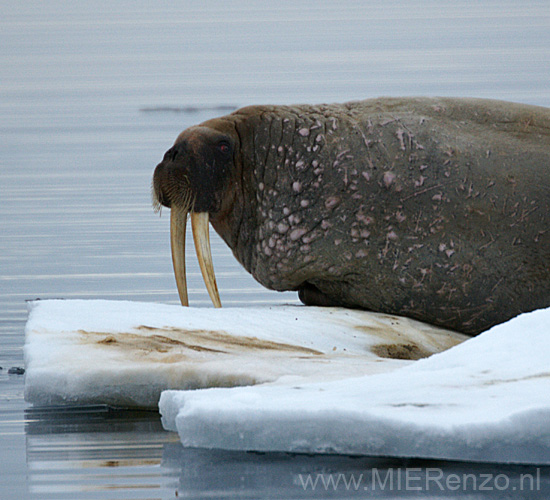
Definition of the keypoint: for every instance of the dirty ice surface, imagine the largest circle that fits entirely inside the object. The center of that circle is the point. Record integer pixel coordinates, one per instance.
(127, 353)
(302, 379)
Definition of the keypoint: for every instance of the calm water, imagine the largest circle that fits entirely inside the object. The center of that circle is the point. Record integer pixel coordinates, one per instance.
(92, 94)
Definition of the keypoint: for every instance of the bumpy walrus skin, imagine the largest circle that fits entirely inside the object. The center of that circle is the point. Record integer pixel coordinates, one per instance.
(433, 208)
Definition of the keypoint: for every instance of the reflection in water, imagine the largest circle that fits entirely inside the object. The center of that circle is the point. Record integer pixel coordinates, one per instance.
(78, 452)
(282, 475)
(71, 454)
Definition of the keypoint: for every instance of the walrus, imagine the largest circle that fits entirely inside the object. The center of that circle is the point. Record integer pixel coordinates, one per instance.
(431, 208)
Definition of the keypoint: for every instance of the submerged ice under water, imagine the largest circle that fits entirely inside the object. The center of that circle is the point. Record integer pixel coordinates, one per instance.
(75, 169)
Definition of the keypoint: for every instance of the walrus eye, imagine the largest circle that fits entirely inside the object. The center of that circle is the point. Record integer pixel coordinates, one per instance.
(224, 147)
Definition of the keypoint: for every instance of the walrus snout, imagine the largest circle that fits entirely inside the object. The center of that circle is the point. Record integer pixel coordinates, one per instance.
(171, 184)
(160, 196)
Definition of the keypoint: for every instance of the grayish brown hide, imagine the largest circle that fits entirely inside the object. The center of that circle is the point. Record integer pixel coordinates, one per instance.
(436, 209)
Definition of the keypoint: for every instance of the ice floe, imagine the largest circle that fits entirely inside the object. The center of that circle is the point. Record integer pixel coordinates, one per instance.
(302, 379)
(126, 353)
(487, 399)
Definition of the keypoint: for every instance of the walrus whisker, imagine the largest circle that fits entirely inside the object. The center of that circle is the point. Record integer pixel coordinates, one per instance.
(157, 205)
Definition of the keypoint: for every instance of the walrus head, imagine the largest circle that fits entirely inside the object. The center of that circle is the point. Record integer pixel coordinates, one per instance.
(194, 178)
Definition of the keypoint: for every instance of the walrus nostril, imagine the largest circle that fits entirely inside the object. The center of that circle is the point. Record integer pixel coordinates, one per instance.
(172, 154)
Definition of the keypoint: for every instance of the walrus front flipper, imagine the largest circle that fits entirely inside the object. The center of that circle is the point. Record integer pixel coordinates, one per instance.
(310, 295)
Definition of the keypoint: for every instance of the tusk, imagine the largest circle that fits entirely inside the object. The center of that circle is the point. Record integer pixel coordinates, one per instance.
(178, 222)
(199, 224)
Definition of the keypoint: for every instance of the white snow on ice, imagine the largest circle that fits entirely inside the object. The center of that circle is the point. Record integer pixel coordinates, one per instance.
(487, 399)
(322, 386)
